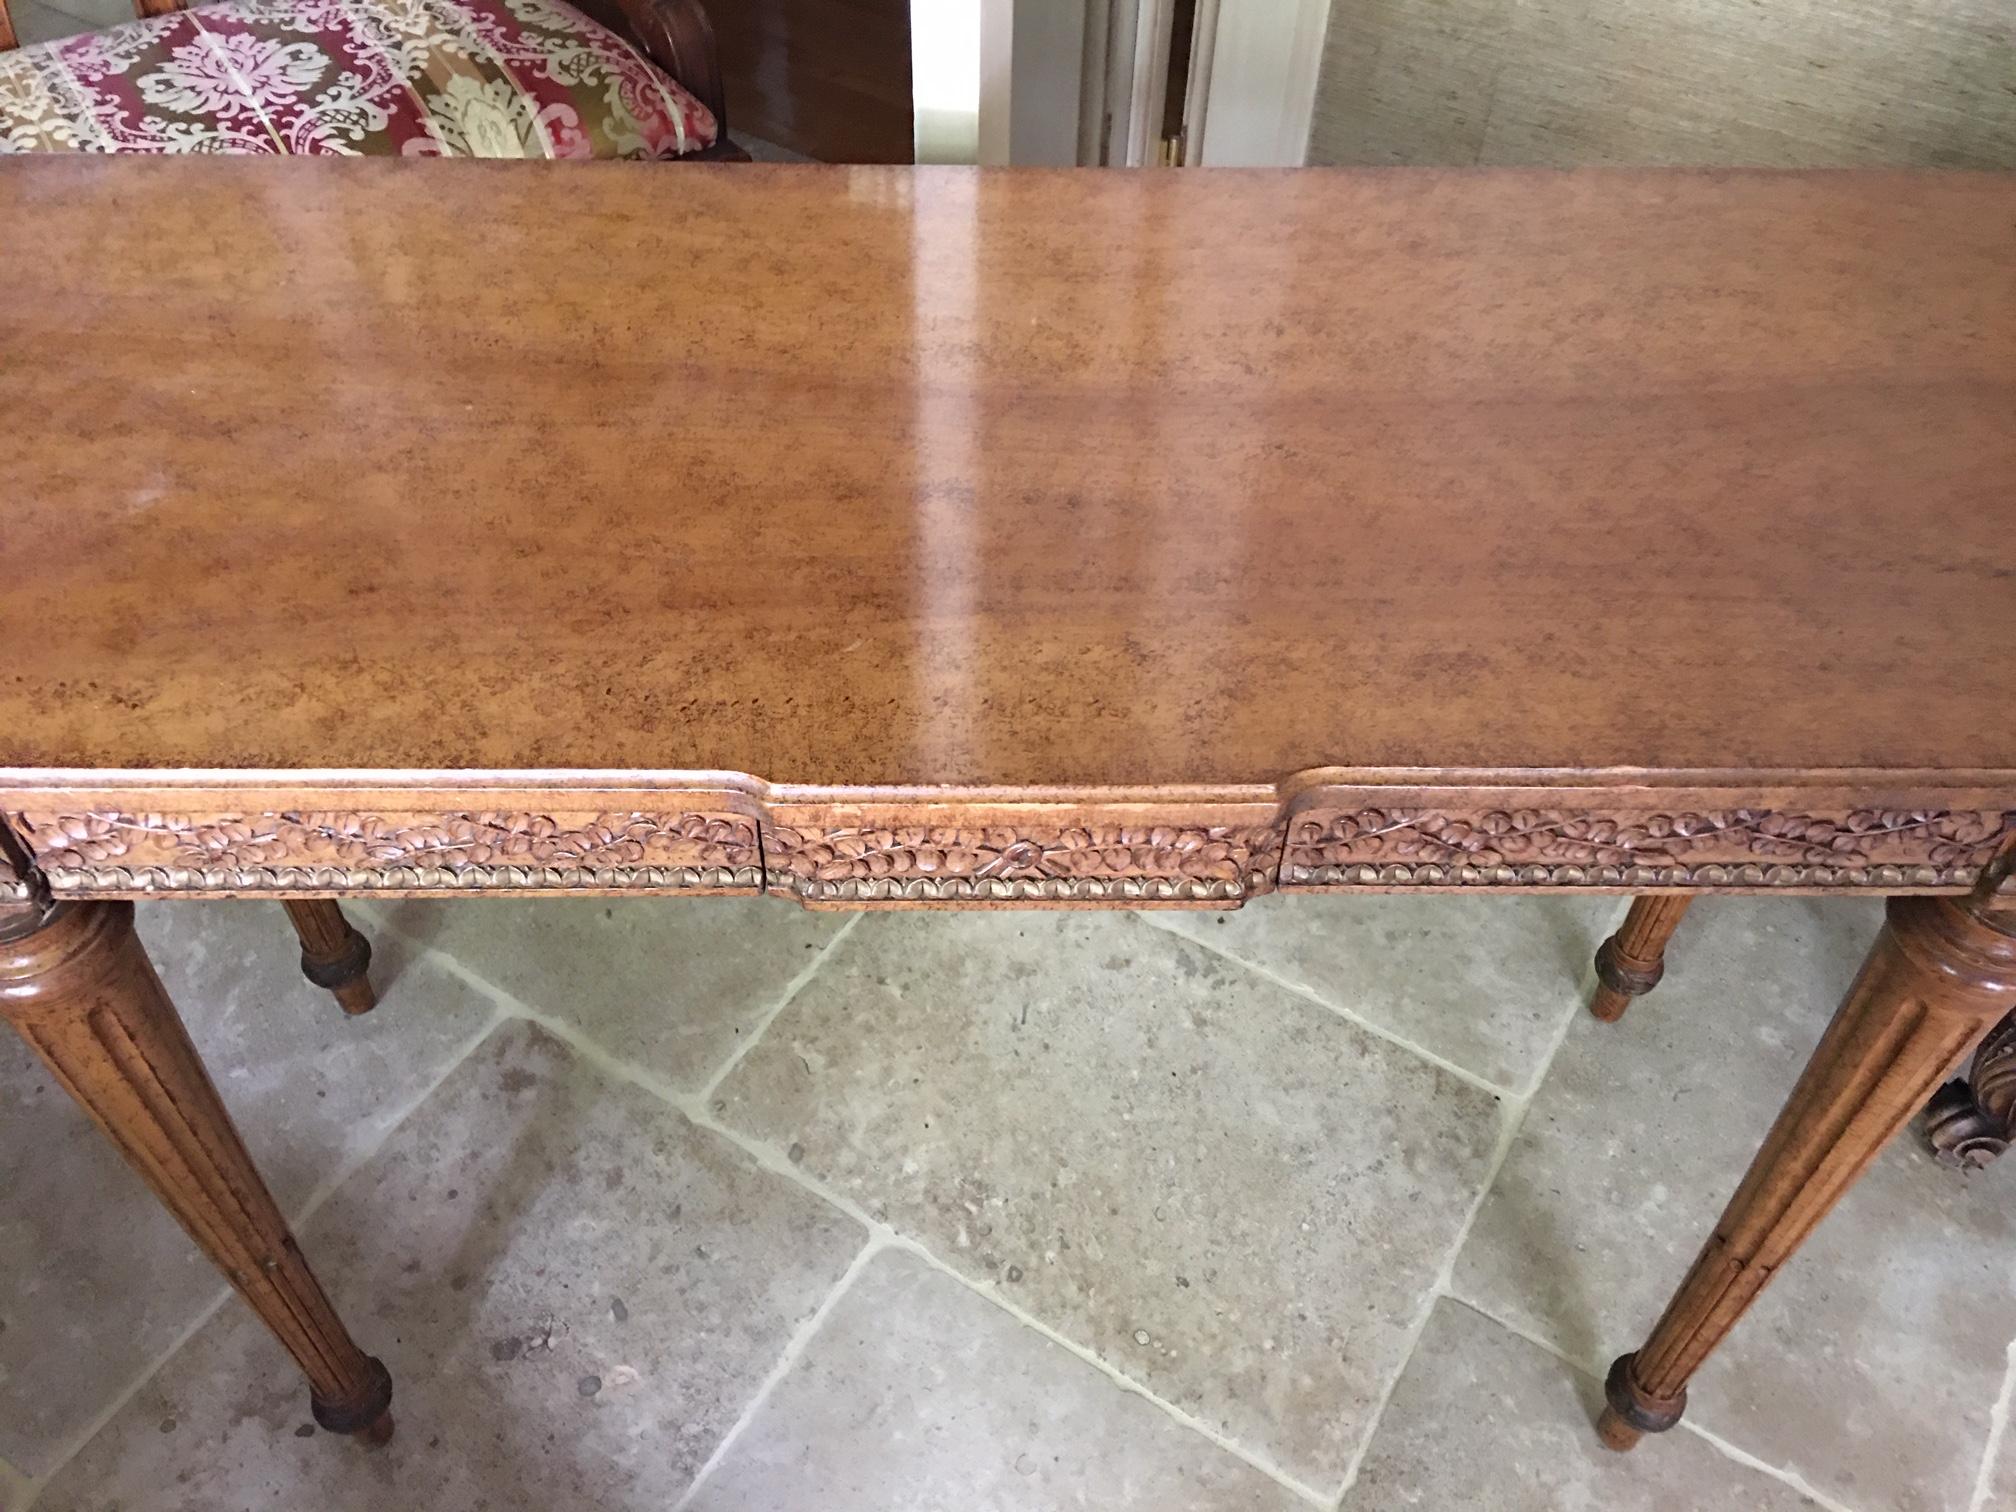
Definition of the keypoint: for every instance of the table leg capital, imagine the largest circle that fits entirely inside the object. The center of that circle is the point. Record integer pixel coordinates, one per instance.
(1965, 952)
(50, 952)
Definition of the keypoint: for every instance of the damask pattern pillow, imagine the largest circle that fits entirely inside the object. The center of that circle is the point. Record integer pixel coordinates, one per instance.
(459, 78)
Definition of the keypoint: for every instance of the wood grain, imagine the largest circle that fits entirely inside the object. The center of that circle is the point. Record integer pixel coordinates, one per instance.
(1025, 480)
(828, 78)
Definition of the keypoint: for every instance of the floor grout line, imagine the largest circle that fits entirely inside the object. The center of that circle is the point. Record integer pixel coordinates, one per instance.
(695, 1109)
(988, 1293)
(38, 1484)
(1790, 1478)
(298, 1221)
(1588, 1370)
(1310, 995)
(791, 991)
(1514, 1118)
(1444, 1288)
(768, 1158)
(1998, 1428)
(794, 1349)
(1517, 1106)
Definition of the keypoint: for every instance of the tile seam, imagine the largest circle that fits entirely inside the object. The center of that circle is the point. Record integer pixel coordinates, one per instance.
(1356, 1020)
(794, 1350)
(696, 1111)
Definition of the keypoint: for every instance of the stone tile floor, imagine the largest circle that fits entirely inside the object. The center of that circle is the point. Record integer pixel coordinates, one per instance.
(723, 1205)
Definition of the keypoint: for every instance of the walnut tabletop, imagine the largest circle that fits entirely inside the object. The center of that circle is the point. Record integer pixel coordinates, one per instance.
(1408, 528)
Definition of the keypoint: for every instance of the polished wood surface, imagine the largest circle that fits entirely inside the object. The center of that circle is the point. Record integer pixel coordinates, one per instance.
(1037, 480)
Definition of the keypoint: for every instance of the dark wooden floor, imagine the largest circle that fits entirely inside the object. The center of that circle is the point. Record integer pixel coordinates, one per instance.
(828, 78)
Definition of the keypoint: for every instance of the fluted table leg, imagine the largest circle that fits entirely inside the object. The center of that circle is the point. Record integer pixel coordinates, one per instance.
(78, 987)
(334, 956)
(1630, 963)
(1940, 973)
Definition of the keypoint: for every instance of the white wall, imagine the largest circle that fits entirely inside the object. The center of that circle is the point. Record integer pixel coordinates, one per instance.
(1263, 82)
(1000, 81)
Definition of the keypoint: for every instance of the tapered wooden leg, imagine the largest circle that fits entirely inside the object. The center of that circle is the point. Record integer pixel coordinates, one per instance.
(1630, 963)
(77, 985)
(333, 955)
(1940, 973)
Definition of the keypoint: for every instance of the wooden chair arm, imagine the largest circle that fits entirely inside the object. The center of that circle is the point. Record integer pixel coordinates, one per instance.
(680, 40)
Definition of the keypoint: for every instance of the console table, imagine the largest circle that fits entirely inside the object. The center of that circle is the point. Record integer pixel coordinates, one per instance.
(889, 538)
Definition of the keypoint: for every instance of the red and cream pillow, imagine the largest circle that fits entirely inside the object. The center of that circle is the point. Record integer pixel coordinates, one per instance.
(463, 78)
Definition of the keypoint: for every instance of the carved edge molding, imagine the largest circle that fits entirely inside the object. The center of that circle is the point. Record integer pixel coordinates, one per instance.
(1118, 855)
(1020, 862)
(1749, 848)
(353, 852)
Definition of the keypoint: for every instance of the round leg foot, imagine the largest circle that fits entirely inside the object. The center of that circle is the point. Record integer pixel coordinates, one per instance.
(357, 996)
(346, 975)
(1632, 1413)
(1618, 981)
(1616, 1433)
(366, 1414)
(1609, 1004)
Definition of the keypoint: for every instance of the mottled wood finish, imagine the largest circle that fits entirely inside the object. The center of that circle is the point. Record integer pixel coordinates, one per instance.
(1630, 963)
(334, 956)
(1064, 481)
(1940, 973)
(77, 985)
(1096, 546)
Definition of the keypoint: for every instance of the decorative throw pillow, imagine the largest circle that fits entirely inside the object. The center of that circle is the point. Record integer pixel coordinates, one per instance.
(461, 78)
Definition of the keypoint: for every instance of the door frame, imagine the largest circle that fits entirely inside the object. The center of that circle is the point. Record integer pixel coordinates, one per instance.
(1264, 61)
(1249, 98)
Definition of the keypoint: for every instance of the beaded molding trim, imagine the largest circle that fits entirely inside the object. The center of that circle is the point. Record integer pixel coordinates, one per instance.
(1365, 875)
(1090, 863)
